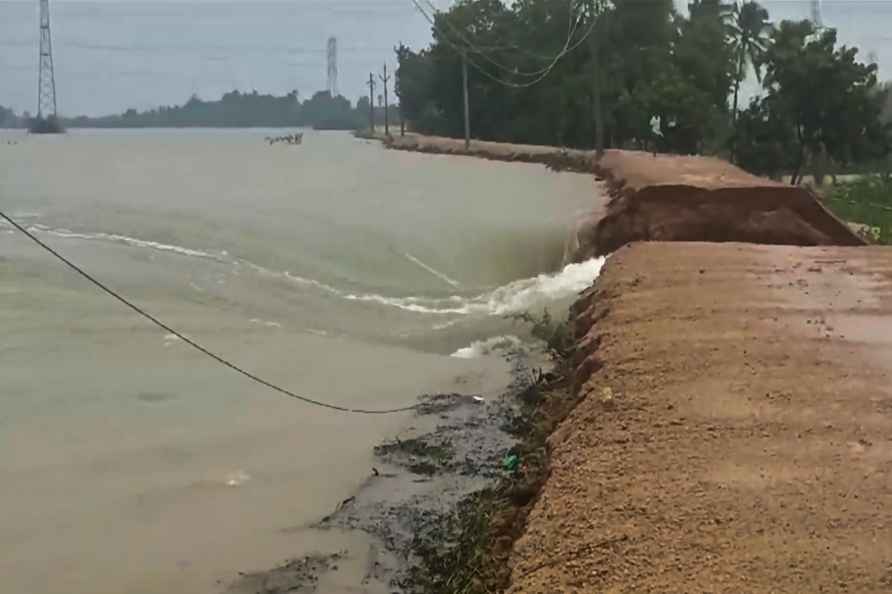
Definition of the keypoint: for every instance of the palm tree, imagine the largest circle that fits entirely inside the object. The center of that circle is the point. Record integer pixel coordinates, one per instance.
(751, 32)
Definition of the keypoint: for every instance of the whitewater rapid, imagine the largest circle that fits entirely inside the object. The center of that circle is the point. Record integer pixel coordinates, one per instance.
(514, 297)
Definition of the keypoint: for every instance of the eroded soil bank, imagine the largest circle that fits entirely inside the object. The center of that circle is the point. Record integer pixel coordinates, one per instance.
(686, 198)
(733, 429)
(428, 505)
(659, 197)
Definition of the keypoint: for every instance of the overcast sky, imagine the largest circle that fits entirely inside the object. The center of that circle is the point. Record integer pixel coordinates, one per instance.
(115, 54)
(111, 55)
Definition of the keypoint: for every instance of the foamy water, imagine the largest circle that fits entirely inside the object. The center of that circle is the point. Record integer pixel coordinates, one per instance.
(514, 297)
(125, 240)
(481, 348)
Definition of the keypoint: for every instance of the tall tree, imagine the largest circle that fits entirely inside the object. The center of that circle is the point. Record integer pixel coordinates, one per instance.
(751, 31)
(413, 82)
(638, 49)
(702, 51)
(832, 101)
(764, 141)
(692, 90)
(644, 63)
(887, 108)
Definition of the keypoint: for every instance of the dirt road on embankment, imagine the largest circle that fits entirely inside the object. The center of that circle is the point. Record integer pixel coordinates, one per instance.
(736, 430)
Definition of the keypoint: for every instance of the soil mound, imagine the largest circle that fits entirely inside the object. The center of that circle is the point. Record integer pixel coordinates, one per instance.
(679, 198)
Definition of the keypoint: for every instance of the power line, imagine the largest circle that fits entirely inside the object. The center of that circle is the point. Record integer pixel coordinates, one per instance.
(219, 359)
(522, 85)
(572, 26)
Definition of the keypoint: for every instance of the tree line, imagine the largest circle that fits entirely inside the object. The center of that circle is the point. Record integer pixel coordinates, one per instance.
(641, 75)
(8, 118)
(235, 110)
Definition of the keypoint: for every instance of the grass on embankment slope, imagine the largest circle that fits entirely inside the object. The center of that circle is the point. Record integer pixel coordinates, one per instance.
(866, 201)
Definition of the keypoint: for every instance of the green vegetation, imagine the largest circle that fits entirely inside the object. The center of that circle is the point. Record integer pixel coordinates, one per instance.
(555, 334)
(245, 110)
(236, 110)
(821, 108)
(8, 118)
(887, 109)
(751, 36)
(866, 201)
(650, 78)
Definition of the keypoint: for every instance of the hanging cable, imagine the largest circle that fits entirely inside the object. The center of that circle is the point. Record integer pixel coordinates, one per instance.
(515, 85)
(572, 26)
(219, 359)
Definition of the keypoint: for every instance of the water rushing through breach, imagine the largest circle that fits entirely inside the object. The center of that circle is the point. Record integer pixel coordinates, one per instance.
(338, 269)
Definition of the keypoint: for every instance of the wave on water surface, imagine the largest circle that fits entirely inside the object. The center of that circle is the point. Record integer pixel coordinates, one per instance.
(514, 297)
(130, 241)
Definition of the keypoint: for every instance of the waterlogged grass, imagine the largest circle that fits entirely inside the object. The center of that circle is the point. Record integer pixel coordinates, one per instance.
(866, 201)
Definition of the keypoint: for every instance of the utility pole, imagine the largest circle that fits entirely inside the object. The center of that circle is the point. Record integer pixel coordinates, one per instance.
(464, 77)
(385, 79)
(397, 88)
(371, 84)
(595, 46)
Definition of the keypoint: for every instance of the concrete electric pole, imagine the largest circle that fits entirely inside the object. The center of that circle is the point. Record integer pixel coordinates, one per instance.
(385, 79)
(464, 78)
(371, 84)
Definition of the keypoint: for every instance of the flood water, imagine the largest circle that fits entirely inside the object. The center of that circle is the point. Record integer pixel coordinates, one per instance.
(354, 275)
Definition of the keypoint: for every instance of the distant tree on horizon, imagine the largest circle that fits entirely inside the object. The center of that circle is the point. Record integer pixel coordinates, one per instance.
(240, 109)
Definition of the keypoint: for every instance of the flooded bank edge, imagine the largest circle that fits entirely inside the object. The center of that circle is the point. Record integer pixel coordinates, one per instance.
(447, 498)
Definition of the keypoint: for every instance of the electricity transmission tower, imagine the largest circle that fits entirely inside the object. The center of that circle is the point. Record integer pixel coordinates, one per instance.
(333, 66)
(46, 81)
(816, 17)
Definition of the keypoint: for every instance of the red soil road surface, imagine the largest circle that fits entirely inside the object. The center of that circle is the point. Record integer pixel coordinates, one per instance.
(736, 430)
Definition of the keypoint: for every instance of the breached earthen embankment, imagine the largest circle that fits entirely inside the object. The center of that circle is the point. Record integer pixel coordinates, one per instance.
(685, 198)
(732, 431)
(668, 197)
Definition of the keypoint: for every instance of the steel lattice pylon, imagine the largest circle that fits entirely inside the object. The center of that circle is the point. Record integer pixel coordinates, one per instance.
(333, 66)
(46, 81)
(816, 17)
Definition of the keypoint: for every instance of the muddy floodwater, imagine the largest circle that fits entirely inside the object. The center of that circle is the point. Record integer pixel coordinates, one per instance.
(352, 274)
